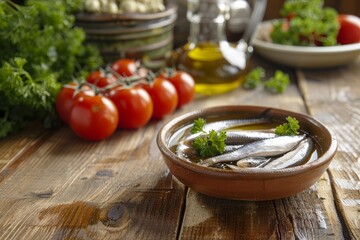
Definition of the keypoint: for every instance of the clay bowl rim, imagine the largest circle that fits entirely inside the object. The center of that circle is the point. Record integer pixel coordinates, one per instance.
(251, 173)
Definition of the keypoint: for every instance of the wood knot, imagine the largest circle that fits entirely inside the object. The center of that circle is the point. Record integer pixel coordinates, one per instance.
(115, 215)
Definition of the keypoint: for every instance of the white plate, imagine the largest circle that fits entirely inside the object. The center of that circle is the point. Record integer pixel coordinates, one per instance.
(302, 57)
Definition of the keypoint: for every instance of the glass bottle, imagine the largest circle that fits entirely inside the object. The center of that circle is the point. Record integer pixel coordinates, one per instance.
(207, 55)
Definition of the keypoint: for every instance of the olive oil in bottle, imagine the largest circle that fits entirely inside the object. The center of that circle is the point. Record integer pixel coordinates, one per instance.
(213, 74)
(202, 56)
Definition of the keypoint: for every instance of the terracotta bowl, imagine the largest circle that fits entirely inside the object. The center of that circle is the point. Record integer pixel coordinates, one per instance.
(250, 183)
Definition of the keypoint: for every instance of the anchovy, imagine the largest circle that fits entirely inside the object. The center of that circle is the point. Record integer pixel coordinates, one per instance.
(250, 162)
(262, 148)
(244, 137)
(295, 157)
(234, 137)
(227, 124)
(184, 151)
(232, 123)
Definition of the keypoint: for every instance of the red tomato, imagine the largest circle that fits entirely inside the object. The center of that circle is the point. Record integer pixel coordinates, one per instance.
(163, 95)
(93, 117)
(349, 31)
(65, 99)
(134, 106)
(100, 79)
(125, 67)
(184, 85)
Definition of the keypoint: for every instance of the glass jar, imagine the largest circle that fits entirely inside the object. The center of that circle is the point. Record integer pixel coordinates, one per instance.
(207, 56)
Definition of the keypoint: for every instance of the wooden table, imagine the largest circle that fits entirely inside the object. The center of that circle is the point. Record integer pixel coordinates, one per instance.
(54, 185)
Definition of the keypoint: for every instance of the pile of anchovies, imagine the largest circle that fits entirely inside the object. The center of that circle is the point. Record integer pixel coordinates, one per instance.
(250, 148)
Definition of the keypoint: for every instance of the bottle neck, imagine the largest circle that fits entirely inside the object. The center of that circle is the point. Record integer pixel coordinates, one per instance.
(207, 31)
(207, 20)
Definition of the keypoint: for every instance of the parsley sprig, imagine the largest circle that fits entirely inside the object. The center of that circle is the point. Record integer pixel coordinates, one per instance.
(276, 84)
(254, 78)
(208, 144)
(290, 128)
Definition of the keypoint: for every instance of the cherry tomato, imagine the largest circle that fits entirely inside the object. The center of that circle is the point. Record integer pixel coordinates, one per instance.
(125, 67)
(349, 31)
(65, 99)
(93, 117)
(163, 95)
(134, 106)
(184, 85)
(100, 79)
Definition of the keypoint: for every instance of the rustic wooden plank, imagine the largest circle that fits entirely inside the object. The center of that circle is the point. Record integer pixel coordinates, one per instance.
(333, 96)
(17, 145)
(311, 216)
(68, 188)
(132, 216)
(212, 218)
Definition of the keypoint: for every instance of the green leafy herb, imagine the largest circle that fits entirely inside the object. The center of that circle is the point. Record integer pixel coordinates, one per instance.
(278, 83)
(41, 49)
(211, 144)
(291, 127)
(253, 78)
(198, 125)
(306, 23)
(208, 144)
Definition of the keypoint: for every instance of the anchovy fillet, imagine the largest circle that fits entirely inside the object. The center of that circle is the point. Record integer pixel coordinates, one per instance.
(184, 151)
(262, 148)
(234, 137)
(295, 157)
(232, 123)
(252, 162)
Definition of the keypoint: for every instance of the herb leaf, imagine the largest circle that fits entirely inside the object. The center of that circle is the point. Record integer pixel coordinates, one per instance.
(211, 144)
(208, 144)
(278, 83)
(198, 125)
(253, 78)
(288, 129)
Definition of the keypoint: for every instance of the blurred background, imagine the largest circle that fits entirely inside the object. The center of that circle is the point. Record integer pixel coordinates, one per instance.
(342, 6)
(272, 11)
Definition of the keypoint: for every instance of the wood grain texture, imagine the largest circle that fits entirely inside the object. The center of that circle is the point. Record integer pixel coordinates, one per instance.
(69, 188)
(333, 96)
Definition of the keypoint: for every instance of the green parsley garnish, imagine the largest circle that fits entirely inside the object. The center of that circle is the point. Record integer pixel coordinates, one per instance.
(209, 144)
(253, 78)
(198, 126)
(288, 129)
(278, 83)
